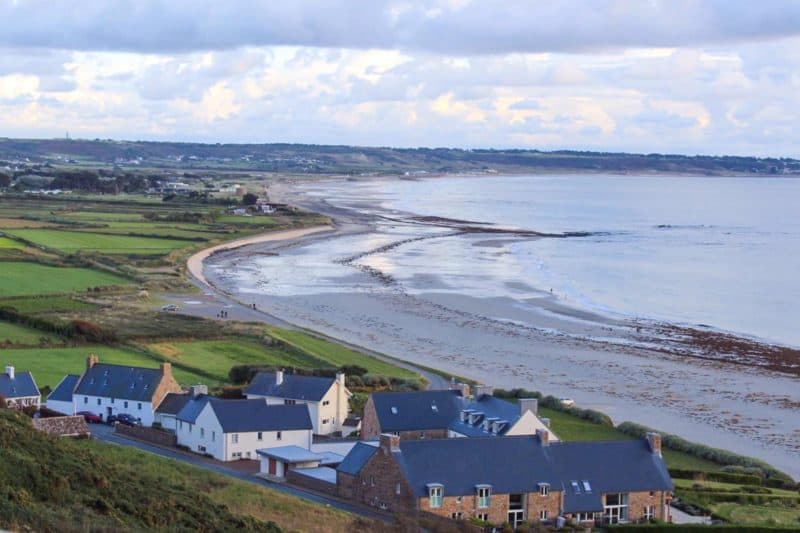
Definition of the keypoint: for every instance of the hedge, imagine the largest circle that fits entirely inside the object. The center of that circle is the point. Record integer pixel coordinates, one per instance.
(551, 402)
(697, 528)
(722, 476)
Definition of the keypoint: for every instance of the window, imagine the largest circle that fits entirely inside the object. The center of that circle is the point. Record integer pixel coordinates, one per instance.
(584, 517)
(371, 481)
(421, 434)
(289, 402)
(112, 400)
(544, 489)
(649, 512)
(190, 428)
(235, 439)
(458, 515)
(99, 401)
(325, 420)
(459, 499)
(260, 435)
(586, 487)
(326, 402)
(435, 496)
(482, 516)
(279, 435)
(397, 489)
(126, 405)
(213, 435)
(139, 406)
(236, 455)
(576, 488)
(616, 508)
(543, 514)
(181, 423)
(484, 496)
(202, 432)
(85, 399)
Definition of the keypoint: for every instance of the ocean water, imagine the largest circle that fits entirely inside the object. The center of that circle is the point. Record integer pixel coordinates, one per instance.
(720, 252)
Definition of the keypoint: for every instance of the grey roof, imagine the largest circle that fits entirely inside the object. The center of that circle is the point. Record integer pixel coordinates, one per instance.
(118, 381)
(309, 388)
(419, 410)
(490, 407)
(173, 403)
(242, 416)
(357, 458)
(21, 386)
(320, 473)
(291, 454)
(461, 464)
(63, 391)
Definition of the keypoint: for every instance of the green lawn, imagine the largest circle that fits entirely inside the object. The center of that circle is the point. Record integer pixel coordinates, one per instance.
(50, 365)
(262, 221)
(6, 243)
(17, 334)
(338, 355)
(73, 241)
(216, 357)
(20, 278)
(572, 428)
(46, 304)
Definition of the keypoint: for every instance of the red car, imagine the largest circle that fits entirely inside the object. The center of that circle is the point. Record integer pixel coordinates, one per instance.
(90, 417)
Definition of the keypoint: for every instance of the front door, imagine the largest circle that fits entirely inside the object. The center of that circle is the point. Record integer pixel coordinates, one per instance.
(516, 517)
(273, 466)
(109, 410)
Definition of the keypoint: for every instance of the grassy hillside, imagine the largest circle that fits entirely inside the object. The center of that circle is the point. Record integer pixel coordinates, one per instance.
(47, 484)
(30, 278)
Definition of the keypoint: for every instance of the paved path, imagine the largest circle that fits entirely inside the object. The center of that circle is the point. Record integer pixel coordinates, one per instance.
(106, 434)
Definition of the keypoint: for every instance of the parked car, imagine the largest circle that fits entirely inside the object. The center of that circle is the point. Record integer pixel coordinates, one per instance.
(125, 419)
(90, 417)
(171, 307)
(567, 402)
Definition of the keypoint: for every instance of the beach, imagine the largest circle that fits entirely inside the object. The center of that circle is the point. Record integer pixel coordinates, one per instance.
(719, 388)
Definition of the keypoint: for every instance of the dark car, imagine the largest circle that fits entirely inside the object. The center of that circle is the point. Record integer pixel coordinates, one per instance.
(125, 419)
(90, 417)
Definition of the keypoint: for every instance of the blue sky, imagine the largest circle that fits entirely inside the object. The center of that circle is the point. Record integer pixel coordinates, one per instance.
(718, 77)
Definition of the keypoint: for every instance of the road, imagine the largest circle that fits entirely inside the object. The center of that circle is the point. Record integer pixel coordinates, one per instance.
(106, 434)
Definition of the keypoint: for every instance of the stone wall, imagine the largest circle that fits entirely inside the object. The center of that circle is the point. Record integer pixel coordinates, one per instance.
(637, 501)
(550, 503)
(156, 436)
(296, 477)
(370, 428)
(378, 483)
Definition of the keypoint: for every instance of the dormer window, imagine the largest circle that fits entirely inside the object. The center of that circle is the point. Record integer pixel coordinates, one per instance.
(576, 487)
(586, 486)
(484, 493)
(465, 414)
(544, 489)
(435, 492)
(434, 408)
(394, 410)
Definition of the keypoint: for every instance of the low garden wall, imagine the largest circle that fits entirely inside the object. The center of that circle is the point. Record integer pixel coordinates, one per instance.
(156, 436)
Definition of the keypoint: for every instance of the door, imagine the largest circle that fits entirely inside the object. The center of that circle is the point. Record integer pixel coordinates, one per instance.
(273, 466)
(516, 517)
(109, 410)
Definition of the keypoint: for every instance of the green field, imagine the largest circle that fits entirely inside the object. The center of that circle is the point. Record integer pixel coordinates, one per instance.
(6, 243)
(50, 365)
(572, 428)
(20, 279)
(16, 334)
(337, 355)
(216, 357)
(46, 304)
(73, 241)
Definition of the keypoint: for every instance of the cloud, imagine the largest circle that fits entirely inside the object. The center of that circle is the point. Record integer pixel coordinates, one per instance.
(448, 27)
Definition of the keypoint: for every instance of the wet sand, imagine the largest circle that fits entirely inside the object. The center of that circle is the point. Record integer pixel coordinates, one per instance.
(728, 392)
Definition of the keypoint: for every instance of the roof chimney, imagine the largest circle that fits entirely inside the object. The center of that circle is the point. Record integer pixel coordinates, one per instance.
(10, 371)
(483, 390)
(340, 377)
(528, 404)
(389, 443)
(544, 436)
(279, 377)
(91, 361)
(166, 369)
(197, 390)
(654, 441)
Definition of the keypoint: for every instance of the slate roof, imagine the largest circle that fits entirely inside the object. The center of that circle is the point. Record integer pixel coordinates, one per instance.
(243, 416)
(520, 464)
(118, 381)
(309, 388)
(357, 458)
(21, 386)
(491, 407)
(173, 403)
(291, 454)
(63, 391)
(419, 410)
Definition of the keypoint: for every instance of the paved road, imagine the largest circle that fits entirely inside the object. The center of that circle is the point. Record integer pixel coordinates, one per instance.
(106, 434)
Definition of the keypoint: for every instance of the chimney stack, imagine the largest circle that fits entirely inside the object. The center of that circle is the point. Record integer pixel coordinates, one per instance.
(528, 404)
(10, 371)
(91, 361)
(389, 443)
(197, 390)
(483, 390)
(166, 369)
(340, 377)
(544, 436)
(279, 377)
(654, 441)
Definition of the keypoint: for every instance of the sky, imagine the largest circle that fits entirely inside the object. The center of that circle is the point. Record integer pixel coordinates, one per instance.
(672, 76)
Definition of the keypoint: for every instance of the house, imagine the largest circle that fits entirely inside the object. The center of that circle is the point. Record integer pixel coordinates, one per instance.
(441, 414)
(167, 411)
(106, 389)
(327, 398)
(277, 462)
(234, 429)
(19, 389)
(511, 479)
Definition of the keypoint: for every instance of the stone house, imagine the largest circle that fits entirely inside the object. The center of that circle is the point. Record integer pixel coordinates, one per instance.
(511, 479)
(19, 389)
(327, 398)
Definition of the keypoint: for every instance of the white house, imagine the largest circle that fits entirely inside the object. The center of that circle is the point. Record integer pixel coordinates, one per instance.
(327, 398)
(234, 429)
(167, 412)
(19, 388)
(105, 389)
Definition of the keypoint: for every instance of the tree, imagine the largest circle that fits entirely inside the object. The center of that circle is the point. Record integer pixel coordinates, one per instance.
(249, 199)
(5, 180)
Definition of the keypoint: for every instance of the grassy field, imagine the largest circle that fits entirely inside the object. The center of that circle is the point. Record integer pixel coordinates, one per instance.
(13, 333)
(6, 243)
(51, 364)
(73, 241)
(572, 428)
(46, 304)
(21, 279)
(337, 355)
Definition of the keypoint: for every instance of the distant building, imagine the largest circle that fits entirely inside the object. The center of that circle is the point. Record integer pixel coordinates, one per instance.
(19, 389)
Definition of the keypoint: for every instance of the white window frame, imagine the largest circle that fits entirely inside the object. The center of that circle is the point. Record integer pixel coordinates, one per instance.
(649, 512)
(544, 489)
(235, 439)
(617, 513)
(435, 496)
(484, 497)
(543, 514)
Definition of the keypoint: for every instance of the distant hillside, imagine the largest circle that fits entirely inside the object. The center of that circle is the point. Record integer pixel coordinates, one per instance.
(47, 484)
(314, 159)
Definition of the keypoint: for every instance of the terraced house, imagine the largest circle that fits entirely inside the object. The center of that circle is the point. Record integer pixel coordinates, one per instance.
(18, 388)
(511, 479)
